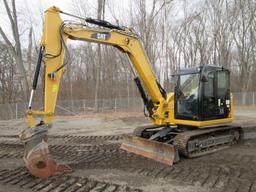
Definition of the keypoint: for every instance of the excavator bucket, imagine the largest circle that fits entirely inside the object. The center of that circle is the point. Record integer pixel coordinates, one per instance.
(37, 157)
(157, 151)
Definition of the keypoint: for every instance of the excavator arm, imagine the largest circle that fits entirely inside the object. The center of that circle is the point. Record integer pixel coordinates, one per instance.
(53, 47)
(52, 53)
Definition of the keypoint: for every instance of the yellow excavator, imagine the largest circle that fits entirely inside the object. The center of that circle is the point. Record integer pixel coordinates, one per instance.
(193, 120)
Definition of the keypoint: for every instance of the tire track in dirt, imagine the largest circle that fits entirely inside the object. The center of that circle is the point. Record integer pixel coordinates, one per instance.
(221, 171)
(64, 183)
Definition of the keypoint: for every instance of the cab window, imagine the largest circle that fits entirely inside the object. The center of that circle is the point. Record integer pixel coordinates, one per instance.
(222, 83)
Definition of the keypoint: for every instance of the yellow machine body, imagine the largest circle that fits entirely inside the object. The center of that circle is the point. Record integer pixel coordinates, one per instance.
(55, 35)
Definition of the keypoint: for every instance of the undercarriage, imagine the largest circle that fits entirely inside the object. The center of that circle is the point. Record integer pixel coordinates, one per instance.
(190, 141)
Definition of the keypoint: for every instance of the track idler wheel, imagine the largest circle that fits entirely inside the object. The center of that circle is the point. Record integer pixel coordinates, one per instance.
(37, 157)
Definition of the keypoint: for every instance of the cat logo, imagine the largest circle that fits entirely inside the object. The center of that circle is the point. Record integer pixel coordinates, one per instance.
(101, 36)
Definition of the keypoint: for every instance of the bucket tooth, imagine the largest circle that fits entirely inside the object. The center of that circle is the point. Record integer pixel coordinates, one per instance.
(157, 151)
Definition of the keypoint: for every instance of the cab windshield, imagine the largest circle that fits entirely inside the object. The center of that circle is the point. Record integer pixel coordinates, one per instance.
(187, 96)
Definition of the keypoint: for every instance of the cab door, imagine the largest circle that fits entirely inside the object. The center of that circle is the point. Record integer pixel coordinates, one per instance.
(223, 93)
(209, 101)
(216, 95)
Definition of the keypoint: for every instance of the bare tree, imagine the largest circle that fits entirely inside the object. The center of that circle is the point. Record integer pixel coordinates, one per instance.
(15, 48)
(241, 24)
(216, 32)
(100, 15)
(29, 55)
(8, 81)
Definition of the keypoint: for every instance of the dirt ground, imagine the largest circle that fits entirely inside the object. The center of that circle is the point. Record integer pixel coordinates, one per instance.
(90, 145)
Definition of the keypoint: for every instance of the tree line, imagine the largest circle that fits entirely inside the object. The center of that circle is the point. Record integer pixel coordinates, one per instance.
(216, 32)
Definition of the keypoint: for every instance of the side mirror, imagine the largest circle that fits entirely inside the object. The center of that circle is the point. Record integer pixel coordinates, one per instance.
(175, 88)
(177, 91)
(204, 78)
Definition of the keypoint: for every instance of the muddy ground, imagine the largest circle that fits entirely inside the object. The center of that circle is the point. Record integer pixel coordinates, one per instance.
(90, 145)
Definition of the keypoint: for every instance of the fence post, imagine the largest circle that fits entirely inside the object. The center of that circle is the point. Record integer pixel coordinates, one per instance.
(128, 103)
(243, 98)
(115, 104)
(16, 111)
(253, 99)
(84, 105)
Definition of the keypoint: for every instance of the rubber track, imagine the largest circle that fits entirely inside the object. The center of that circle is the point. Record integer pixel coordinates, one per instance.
(182, 139)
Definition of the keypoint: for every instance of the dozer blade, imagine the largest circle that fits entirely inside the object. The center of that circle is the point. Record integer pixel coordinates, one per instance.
(37, 156)
(157, 151)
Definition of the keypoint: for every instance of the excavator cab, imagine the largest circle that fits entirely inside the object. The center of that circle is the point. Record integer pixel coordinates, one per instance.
(202, 93)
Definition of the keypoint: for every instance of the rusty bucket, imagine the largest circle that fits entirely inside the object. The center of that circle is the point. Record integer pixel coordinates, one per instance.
(37, 157)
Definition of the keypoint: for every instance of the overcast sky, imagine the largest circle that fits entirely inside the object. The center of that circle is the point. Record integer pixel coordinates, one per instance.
(32, 12)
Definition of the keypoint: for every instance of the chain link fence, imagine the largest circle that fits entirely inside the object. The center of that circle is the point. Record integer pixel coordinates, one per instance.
(74, 107)
(245, 98)
(80, 107)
